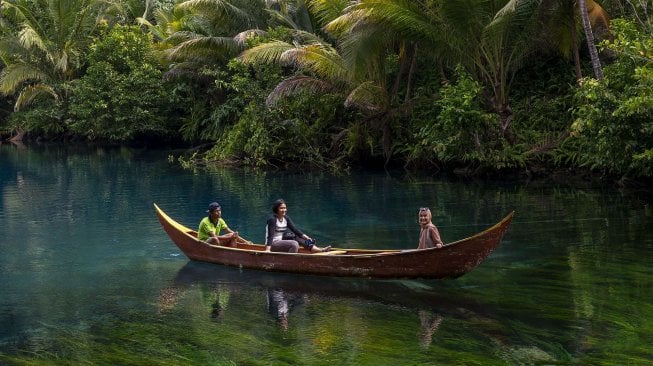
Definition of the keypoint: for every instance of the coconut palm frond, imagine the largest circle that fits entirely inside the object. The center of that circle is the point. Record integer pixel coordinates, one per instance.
(515, 11)
(204, 47)
(365, 50)
(73, 21)
(327, 10)
(16, 74)
(513, 29)
(303, 37)
(344, 24)
(410, 18)
(29, 38)
(464, 20)
(270, 52)
(182, 36)
(220, 8)
(368, 97)
(508, 8)
(24, 13)
(297, 84)
(46, 49)
(165, 17)
(322, 60)
(31, 93)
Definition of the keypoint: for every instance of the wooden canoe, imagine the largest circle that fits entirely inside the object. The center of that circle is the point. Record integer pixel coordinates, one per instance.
(452, 260)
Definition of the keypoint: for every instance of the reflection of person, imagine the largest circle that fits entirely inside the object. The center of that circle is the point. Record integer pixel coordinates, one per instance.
(220, 301)
(429, 323)
(211, 225)
(281, 234)
(429, 235)
(280, 303)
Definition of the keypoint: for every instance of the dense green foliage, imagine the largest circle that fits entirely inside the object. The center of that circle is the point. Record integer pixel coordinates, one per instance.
(613, 130)
(471, 86)
(122, 94)
(460, 126)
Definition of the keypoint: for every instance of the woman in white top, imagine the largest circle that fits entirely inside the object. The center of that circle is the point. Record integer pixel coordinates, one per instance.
(281, 234)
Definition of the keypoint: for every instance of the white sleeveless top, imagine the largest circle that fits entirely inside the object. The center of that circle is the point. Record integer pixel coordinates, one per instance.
(279, 229)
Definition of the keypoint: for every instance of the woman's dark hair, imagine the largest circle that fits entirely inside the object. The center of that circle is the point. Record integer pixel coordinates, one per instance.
(276, 204)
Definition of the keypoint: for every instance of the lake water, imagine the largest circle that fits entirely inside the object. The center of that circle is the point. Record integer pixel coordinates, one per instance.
(87, 275)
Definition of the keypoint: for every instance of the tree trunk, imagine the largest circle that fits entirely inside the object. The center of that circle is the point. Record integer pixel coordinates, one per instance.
(589, 35)
(575, 50)
(411, 72)
(503, 110)
(505, 122)
(403, 64)
(147, 9)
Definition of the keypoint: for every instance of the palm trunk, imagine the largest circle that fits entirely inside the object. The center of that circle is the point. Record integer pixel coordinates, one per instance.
(589, 35)
(403, 64)
(575, 50)
(147, 9)
(411, 72)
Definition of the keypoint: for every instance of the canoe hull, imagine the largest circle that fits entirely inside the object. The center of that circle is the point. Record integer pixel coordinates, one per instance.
(450, 261)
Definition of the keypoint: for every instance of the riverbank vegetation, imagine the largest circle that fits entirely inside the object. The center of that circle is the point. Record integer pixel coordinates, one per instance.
(471, 87)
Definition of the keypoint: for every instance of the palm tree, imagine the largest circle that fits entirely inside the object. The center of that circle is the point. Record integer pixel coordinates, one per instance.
(489, 38)
(589, 36)
(197, 38)
(211, 32)
(356, 69)
(323, 68)
(560, 20)
(47, 46)
(366, 42)
(505, 42)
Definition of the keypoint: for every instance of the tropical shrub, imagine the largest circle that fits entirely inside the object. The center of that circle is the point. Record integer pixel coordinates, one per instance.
(251, 132)
(461, 131)
(613, 129)
(43, 119)
(122, 96)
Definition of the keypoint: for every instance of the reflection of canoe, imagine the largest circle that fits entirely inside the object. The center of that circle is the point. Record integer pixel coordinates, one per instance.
(452, 260)
(443, 297)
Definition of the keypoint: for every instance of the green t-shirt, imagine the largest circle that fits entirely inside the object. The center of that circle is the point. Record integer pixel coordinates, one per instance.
(207, 227)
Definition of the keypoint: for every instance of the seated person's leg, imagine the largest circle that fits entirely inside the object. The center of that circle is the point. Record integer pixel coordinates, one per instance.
(289, 246)
(228, 240)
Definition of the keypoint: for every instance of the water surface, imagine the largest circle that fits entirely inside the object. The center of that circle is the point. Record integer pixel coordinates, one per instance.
(88, 276)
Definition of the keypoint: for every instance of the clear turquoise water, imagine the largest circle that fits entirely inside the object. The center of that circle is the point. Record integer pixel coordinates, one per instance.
(87, 276)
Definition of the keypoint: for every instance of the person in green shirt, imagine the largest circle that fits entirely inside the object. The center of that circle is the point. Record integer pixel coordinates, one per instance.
(212, 225)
